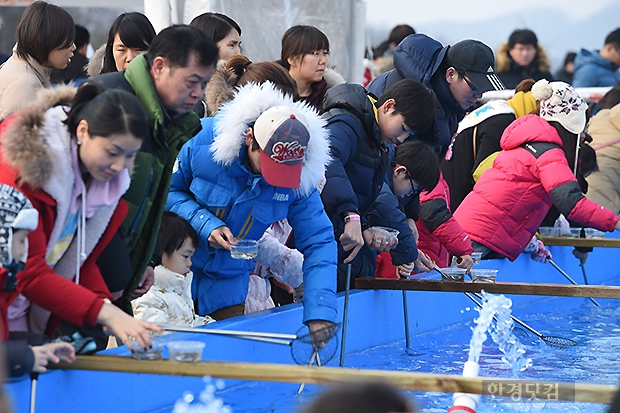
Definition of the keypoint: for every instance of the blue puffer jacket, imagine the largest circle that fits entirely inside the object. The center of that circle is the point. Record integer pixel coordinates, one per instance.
(592, 70)
(355, 177)
(418, 57)
(211, 187)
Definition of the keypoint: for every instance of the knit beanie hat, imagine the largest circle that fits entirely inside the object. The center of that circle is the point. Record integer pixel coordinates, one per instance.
(523, 104)
(561, 103)
(16, 212)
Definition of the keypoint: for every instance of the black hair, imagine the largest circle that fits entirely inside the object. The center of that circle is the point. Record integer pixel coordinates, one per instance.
(380, 50)
(215, 25)
(399, 32)
(413, 100)
(178, 43)
(569, 58)
(82, 37)
(569, 142)
(522, 36)
(134, 29)
(587, 159)
(173, 232)
(42, 29)
(108, 112)
(610, 99)
(421, 162)
(614, 39)
(369, 397)
(301, 40)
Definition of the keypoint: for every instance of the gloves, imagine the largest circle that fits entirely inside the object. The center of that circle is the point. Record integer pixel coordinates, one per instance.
(542, 254)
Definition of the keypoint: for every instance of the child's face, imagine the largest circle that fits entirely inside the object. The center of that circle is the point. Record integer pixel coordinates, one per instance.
(402, 184)
(180, 261)
(392, 126)
(18, 246)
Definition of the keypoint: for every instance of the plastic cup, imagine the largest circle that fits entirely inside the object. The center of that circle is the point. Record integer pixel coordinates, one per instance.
(391, 232)
(483, 276)
(153, 353)
(476, 257)
(594, 233)
(549, 232)
(185, 351)
(571, 233)
(453, 273)
(246, 249)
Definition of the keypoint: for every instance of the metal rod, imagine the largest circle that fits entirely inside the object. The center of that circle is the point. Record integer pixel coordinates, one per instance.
(406, 313)
(315, 354)
(571, 280)
(583, 271)
(345, 316)
(34, 378)
(234, 333)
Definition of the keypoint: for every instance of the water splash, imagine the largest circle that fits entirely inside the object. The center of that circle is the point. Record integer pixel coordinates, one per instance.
(207, 401)
(498, 306)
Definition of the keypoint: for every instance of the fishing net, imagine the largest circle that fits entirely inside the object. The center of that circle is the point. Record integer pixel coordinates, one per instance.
(318, 348)
(559, 342)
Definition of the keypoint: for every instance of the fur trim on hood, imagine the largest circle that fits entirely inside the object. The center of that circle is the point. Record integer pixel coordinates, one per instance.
(95, 64)
(503, 59)
(25, 147)
(221, 88)
(249, 102)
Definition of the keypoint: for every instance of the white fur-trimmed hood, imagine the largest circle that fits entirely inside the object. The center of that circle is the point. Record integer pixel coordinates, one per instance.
(249, 102)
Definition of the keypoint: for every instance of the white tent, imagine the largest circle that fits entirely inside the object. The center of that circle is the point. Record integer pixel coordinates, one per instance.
(263, 22)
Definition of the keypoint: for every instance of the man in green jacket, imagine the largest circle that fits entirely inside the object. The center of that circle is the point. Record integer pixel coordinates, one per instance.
(169, 80)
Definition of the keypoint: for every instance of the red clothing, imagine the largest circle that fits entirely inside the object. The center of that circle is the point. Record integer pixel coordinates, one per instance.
(4, 322)
(511, 199)
(440, 234)
(78, 304)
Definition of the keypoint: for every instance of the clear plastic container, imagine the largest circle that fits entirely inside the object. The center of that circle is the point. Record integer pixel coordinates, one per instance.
(153, 353)
(483, 275)
(185, 351)
(246, 249)
(476, 257)
(453, 273)
(549, 232)
(594, 233)
(391, 232)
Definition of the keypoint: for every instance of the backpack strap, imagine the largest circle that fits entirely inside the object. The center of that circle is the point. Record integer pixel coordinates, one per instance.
(538, 148)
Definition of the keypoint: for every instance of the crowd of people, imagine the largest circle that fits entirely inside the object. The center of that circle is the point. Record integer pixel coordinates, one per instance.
(123, 197)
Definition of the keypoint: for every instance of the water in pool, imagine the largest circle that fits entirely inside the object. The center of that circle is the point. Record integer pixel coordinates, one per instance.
(444, 351)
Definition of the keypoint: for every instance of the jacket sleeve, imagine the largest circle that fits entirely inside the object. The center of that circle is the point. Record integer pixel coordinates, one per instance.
(559, 181)
(181, 199)
(338, 195)
(585, 76)
(438, 219)
(386, 213)
(151, 307)
(39, 284)
(18, 95)
(314, 237)
(19, 357)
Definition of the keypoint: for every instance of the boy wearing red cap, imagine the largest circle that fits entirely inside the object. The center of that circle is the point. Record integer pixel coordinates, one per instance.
(257, 162)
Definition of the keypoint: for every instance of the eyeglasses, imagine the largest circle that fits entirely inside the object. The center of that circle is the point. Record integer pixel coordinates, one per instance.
(472, 87)
(413, 191)
(319, 54)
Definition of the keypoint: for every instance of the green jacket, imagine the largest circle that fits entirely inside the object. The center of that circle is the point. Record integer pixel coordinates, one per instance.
(152, 171)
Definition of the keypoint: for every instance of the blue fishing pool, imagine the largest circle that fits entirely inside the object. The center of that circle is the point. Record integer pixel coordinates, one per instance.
(440, 330)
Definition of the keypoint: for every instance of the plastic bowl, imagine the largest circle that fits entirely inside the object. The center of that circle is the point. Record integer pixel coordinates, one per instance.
(246, 249)
(476, 257)
(571, 233)
(185, 351)
(453, 273)
(153, 353)
(483, 276)
(594, 233)
(549, 232)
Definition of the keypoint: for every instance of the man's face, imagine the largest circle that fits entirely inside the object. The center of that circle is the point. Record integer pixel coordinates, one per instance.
(180, 88)
(462, 90)
(523, 54)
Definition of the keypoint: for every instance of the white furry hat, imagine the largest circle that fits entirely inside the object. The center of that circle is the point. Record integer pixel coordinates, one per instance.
(561, 103)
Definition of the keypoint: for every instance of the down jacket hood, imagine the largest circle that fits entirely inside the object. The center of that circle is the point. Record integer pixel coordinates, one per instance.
(529, 128)
(95, 64)
(418, 57)
(503, 59)
(25, 148)
(249, 102)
